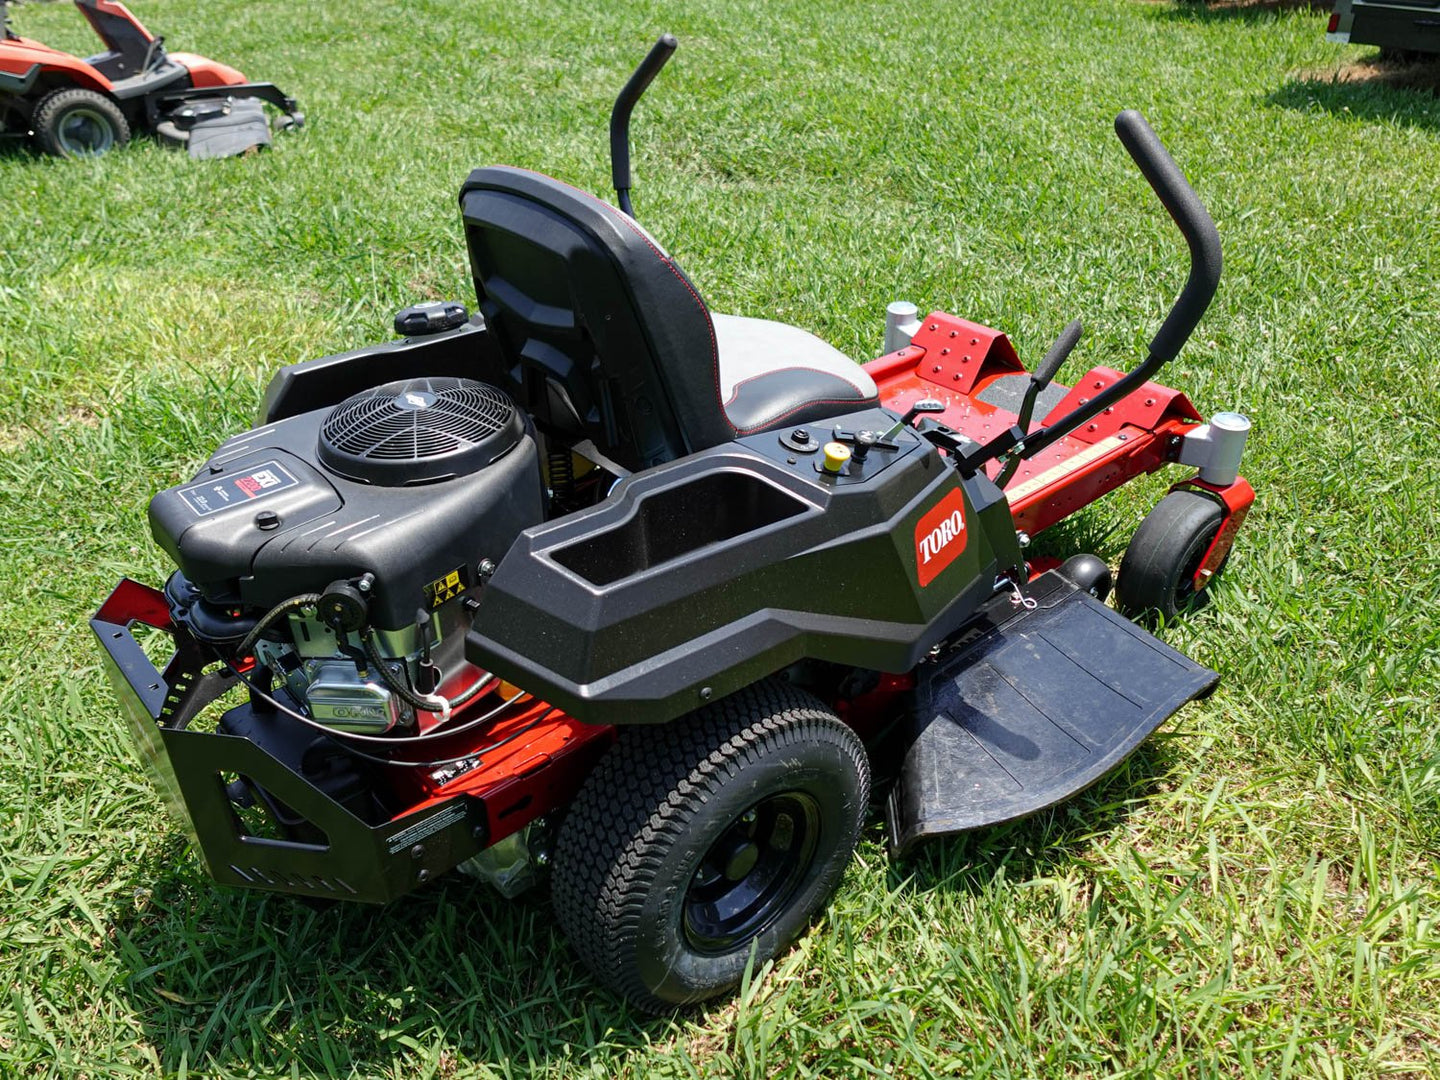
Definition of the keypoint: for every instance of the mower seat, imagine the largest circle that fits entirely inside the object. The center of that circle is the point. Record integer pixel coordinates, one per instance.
(600, 335)
(147, 82)
(130, 48)
(772, 374)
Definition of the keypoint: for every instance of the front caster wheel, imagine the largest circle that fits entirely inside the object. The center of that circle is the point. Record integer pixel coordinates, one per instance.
(1158, 571)
(694, 844)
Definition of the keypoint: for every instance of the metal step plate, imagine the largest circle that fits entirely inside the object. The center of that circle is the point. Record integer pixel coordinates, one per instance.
(1032, 711)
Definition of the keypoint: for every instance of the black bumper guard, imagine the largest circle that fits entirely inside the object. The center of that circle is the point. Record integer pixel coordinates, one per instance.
(357, 861)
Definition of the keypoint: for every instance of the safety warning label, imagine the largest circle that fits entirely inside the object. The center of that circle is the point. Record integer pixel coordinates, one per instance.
(449, 586)
(221, 492)
(413, 834)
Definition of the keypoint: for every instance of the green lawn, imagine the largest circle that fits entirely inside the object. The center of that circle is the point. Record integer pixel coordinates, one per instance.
(1254, 893)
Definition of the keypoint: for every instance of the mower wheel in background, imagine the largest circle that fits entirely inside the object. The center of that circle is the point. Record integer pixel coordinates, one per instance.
(1157, 573)
(1088, 573)
(699, 843)
(77, 123)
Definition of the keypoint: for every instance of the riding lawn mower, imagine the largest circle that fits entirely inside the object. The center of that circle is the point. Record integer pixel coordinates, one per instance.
(600, 587)
(84, 108)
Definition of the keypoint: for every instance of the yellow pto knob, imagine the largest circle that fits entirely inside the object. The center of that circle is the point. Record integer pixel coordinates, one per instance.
(836, 455)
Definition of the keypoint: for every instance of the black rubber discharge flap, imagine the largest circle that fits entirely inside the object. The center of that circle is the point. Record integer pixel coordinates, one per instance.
(217, 128)
(1039, 705)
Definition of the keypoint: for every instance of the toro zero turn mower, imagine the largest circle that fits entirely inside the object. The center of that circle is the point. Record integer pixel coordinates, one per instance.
(84, 108)
(602, 586)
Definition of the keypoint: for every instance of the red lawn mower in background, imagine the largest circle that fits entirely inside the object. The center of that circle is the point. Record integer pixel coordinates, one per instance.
(604, 587)
(84, 108)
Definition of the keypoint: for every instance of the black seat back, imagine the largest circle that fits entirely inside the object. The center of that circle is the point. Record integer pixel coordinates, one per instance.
(601, 335)
(130, 45)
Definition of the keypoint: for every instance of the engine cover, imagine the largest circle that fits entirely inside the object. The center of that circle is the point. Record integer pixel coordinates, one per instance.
(418, 431)
(415, 482)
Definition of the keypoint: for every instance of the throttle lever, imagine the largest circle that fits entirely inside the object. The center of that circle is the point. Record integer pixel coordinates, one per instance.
(1048, 368)
(922, 405)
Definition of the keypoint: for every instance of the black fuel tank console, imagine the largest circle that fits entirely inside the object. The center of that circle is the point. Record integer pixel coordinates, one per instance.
(701, 575)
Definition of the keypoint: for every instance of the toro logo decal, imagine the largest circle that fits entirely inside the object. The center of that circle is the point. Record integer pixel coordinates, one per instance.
(940, 536)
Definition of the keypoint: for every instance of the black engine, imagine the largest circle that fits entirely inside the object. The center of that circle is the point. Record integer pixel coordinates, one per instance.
(363, 526)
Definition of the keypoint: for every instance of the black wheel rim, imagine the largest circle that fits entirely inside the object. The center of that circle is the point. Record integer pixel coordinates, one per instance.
(749, 876)
(85, 132)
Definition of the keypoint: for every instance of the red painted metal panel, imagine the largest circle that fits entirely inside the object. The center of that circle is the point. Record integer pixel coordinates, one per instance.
(1146, 408)
(1236, 498)
(959, 352)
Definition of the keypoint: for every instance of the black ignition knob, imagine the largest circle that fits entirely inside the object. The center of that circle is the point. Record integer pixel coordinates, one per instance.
(343, 607)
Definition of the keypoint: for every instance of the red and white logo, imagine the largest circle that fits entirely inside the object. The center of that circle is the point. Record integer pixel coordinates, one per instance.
(257, 482)
(940, 536)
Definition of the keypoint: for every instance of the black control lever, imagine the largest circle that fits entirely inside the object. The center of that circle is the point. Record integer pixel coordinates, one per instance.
(1043, 375)
(1196, 225)
(862, 441)
(630, 93)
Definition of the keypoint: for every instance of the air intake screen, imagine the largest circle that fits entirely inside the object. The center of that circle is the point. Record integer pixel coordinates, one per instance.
(417, 431)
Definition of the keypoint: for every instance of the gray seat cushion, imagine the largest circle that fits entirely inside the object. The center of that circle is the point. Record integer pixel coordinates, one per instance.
(772, 374)
(157, 78)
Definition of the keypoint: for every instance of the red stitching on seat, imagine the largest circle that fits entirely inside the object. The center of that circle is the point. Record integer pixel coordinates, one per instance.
(798, 367)
(798, 408)
(709, 323)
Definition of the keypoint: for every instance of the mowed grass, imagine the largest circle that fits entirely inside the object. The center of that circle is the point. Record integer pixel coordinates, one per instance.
(1253, 894)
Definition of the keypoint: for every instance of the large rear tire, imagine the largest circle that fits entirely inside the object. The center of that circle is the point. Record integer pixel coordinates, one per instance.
(1158, 571)
(694, 844)
(79, 123)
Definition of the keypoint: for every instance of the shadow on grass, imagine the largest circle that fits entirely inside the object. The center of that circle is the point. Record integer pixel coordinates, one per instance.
(228, 981)
(1203, 11)
(1373, 88)
(1047, 842)
(17, 147)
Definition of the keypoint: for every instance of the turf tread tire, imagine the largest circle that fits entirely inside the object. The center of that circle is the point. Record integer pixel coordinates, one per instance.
(645, 794)
(55, 103)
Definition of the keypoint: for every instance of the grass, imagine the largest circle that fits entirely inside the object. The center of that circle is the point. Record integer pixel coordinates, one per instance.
(1253, 894)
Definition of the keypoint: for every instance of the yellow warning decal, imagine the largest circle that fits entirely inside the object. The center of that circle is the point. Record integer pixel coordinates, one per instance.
(448, 587)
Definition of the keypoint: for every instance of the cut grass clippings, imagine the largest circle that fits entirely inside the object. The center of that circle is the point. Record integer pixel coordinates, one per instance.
(1254, 893)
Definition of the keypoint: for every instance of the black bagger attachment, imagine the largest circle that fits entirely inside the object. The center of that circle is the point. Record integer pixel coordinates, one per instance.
(1036, 706)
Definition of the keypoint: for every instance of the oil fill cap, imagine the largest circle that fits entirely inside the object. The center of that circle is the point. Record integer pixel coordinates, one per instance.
(836, 455)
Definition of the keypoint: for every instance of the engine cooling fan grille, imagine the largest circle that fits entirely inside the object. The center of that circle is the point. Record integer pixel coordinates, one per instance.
(416, 431)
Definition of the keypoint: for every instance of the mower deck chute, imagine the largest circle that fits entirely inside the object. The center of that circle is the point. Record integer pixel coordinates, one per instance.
(217, 128)
(1033, 710)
